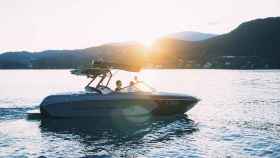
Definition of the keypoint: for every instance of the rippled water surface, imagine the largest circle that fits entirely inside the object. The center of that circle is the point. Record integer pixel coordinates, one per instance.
(238, 116)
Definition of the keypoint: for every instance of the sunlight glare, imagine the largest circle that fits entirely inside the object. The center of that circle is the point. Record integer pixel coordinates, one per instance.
(148, 43)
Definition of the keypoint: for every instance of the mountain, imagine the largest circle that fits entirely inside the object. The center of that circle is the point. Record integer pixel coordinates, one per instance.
(252, 45)
(45, 59)
(255, 43)
(65, 59)
(191, 36)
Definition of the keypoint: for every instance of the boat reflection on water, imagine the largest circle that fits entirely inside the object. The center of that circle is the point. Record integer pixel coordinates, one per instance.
(120, 134)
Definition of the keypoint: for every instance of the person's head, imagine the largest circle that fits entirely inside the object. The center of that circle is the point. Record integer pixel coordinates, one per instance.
(119, 83)
(135, 78)
(131, 83)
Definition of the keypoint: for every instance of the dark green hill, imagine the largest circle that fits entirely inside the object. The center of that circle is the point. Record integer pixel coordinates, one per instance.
(253, 44)
(260, 37)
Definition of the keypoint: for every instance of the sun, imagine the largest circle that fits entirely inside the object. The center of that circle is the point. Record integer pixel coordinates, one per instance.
(148, 43)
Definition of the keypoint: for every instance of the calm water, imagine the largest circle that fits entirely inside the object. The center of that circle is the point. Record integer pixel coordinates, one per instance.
(237, 117)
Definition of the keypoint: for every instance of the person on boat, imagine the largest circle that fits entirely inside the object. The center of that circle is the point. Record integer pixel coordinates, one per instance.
(136, 79)
(131, 83)
(131, 87)
(118, 85)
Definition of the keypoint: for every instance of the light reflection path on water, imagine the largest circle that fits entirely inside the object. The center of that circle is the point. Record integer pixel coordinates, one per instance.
(237, 117)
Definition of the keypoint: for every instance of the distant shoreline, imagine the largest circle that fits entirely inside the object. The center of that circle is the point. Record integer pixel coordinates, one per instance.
(152, 69)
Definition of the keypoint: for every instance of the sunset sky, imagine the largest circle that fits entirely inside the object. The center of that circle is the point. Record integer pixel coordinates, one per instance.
(36, 25)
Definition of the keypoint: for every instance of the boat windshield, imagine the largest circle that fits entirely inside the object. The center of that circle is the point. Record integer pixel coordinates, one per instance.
(137, 87)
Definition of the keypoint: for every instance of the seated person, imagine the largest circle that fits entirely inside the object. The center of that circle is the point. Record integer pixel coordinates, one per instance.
(131, 83)
(118, 85)
(130, 87)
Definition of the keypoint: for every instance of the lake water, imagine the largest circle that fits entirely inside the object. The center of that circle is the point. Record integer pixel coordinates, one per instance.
(238, 116)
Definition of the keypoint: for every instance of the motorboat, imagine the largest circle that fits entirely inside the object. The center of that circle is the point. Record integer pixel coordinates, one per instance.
(99, 100)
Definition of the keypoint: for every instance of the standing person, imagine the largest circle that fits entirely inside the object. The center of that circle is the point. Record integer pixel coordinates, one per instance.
(118, 85)
(136, 79)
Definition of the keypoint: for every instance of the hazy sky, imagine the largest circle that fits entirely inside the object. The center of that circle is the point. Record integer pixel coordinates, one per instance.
(36, 25)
